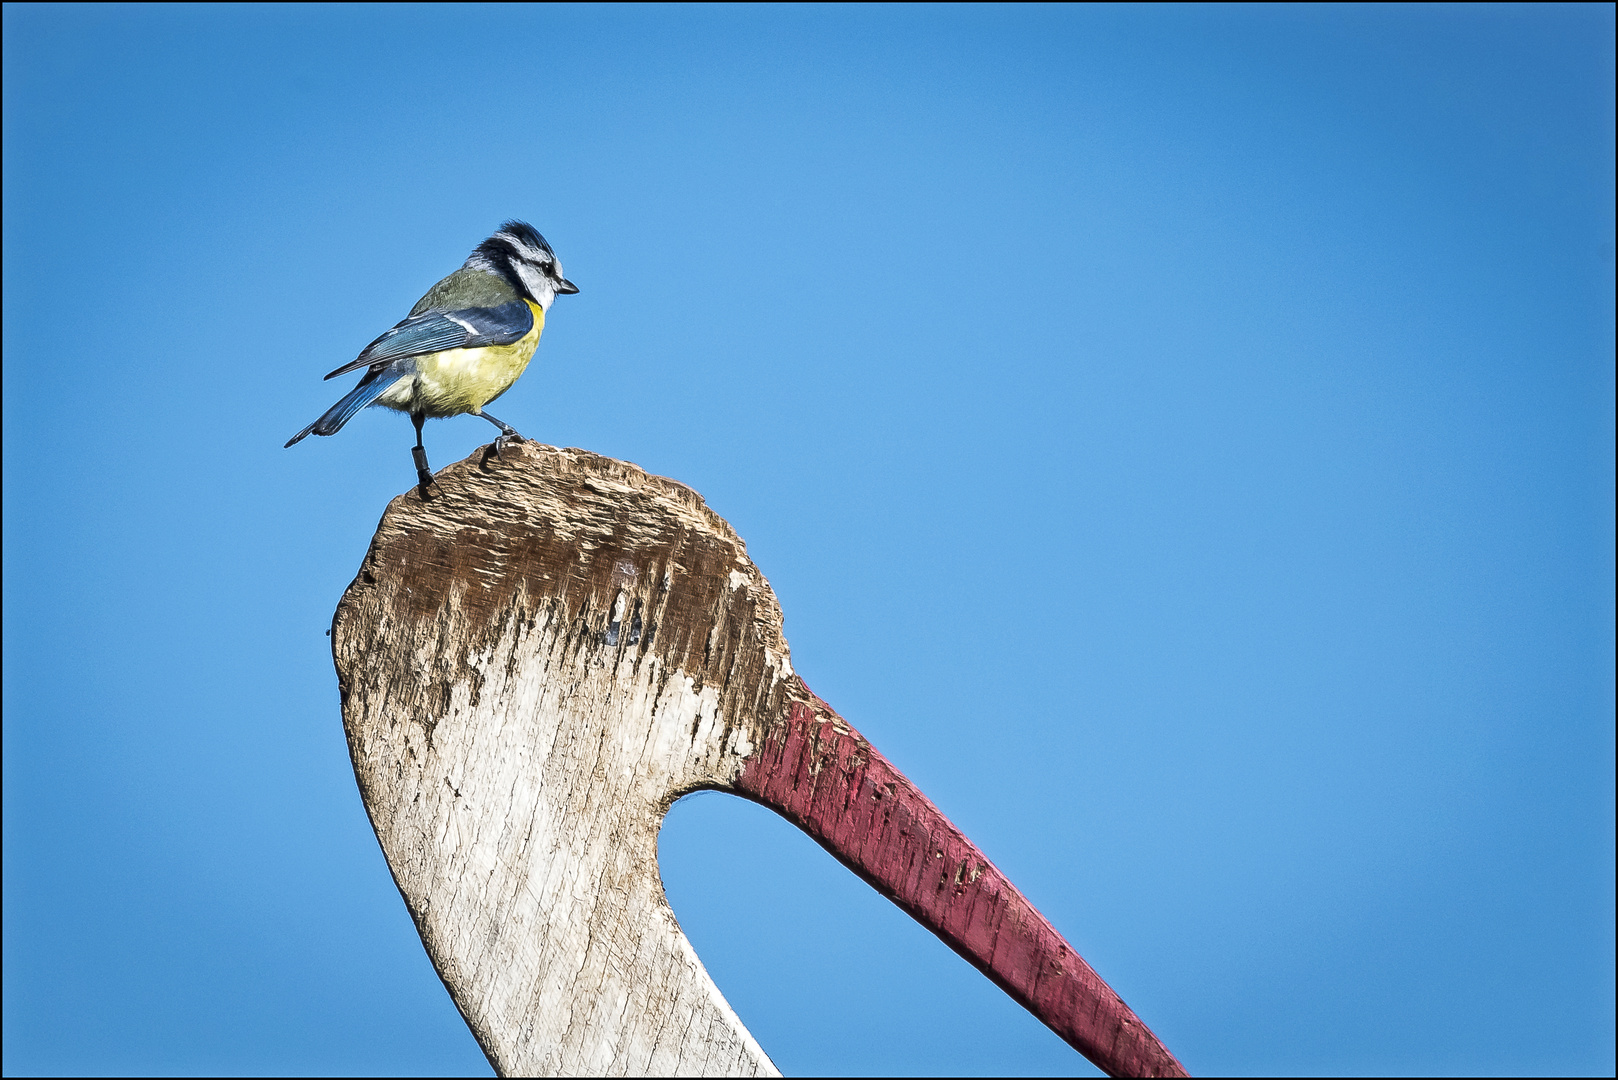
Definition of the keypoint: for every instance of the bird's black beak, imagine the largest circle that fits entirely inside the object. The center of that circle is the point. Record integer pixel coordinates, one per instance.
(567, 287)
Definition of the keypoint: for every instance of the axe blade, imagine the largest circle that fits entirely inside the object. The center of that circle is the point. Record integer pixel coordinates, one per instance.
(534, 665)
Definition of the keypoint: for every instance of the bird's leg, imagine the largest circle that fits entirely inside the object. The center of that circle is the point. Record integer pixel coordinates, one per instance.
(508, 434)
(424, 475)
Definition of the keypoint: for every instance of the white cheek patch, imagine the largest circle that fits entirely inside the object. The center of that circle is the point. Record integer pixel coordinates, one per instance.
(541, 287)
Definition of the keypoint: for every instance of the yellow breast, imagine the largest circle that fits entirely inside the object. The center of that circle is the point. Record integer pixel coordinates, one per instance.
(459, 381)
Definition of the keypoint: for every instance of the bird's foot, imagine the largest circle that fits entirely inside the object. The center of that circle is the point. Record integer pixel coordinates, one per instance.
(506, 437)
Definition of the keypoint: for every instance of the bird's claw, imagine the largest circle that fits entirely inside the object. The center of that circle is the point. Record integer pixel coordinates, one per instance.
(424, 475)
(506, 438)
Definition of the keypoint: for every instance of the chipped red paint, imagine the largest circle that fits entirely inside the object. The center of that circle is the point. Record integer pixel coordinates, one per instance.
(820, 774)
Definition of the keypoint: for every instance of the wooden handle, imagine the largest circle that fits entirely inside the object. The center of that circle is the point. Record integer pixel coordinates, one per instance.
(823, 776)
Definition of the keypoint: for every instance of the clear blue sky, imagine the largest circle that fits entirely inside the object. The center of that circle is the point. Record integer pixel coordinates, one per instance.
(1181, 438)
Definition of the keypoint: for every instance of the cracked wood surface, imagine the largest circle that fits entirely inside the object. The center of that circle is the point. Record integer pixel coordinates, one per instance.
(534, 664)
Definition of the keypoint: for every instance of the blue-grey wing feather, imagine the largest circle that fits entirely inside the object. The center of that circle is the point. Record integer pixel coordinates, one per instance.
(434, 331)
(371, 387)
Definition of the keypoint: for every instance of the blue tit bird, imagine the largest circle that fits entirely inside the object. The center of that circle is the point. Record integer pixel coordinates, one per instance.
(462, 345)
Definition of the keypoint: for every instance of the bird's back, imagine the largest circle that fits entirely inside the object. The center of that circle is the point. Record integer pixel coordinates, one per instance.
(466, 288)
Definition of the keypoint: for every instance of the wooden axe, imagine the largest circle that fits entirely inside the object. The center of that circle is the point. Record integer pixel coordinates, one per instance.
(534, 665)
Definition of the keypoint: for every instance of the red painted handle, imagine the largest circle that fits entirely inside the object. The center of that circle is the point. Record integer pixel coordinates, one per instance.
(820, 774)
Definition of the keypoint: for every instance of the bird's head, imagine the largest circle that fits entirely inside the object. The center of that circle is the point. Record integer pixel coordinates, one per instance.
(520, 255)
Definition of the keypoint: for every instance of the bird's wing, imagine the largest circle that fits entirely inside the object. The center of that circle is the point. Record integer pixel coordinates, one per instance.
(434, 331)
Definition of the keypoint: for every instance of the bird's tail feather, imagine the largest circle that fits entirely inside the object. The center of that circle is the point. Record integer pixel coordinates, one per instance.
(333, 419)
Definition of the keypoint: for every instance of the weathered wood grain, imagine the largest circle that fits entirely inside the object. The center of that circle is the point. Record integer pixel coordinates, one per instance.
(534, 664)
